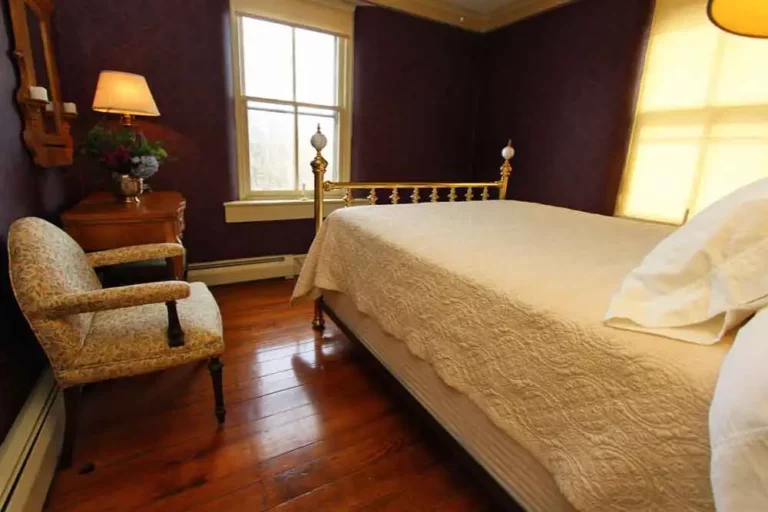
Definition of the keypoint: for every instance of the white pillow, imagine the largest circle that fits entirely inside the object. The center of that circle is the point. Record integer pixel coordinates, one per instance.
(705, 278)
(738, 422)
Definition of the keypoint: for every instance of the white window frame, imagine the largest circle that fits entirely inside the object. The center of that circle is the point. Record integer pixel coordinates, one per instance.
(323, 17)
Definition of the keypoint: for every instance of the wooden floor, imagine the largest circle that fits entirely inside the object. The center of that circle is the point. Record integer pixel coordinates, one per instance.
(310, 426)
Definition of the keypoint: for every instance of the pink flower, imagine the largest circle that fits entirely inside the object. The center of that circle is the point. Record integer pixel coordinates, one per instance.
(119, 157)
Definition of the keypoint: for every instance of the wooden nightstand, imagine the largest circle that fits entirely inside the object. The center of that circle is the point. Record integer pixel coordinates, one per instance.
(100, 222)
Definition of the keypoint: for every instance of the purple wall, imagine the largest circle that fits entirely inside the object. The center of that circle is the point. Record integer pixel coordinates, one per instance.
(559, 84)
(414, 97)
(562, 86)
(24, 190)
(182, 48)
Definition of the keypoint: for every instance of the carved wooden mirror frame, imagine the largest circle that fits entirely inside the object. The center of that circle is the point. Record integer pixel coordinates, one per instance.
(46, 126)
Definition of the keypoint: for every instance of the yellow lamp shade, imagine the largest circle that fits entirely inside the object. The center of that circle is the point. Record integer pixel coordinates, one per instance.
(124, 93)
(740, 17)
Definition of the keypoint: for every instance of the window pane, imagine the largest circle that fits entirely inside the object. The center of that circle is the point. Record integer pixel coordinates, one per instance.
(679, 70)
(737, 155)
(316, 67)
(267, 59)
(271, 150)
(271, 107)
(307, 127)
(679, 64)
(740, 80)
(661, 174)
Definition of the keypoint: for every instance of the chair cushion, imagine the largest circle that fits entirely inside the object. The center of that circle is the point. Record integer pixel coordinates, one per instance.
(132, 341)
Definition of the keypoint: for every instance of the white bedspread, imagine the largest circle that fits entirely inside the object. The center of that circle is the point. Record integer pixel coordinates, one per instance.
(505, 300)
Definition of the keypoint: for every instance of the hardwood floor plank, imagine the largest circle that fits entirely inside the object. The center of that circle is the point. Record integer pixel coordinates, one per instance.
(150, 477)
(469, 501)
(309, 427)
(423, 494)
(238, 487)
(355, 491)
(297, 473)
(196, 385)
(124, 439)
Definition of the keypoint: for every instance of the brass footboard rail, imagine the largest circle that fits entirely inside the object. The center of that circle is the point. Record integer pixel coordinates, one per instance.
(319, 166)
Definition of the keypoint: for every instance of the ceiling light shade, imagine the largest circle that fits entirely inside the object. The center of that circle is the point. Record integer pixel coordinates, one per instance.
(740, 17)
(124, 93)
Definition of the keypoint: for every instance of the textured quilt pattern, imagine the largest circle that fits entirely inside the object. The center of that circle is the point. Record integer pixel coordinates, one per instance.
(505, 301)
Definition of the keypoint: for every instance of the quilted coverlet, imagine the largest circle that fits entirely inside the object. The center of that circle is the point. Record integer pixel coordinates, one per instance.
(505, 300)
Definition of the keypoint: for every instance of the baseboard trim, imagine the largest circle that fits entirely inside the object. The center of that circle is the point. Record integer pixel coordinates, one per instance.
(246, 269)
(30, 451)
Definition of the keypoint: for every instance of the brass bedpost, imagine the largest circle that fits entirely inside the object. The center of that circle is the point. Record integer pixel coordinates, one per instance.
(319, 166)
(506, 169)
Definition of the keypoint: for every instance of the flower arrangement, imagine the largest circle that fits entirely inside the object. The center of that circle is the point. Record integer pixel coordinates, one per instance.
(124, 151)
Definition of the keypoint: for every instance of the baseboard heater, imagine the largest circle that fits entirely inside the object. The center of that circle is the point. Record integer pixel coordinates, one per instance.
(30, 451)
(246, 269)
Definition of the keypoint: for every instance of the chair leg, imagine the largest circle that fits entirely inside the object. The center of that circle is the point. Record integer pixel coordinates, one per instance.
(71, 410)
(215, 367)
(175, 332)
(318, 322)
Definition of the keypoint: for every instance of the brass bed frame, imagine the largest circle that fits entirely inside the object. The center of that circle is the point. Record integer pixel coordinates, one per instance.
(320, 165)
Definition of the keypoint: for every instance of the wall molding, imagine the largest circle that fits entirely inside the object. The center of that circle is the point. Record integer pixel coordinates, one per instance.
(469, 19)
(246, 269)
(30, 451)
(438, 11)
(519, 11)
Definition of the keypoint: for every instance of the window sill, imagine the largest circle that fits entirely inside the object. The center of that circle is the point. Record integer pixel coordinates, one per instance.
(265, 210)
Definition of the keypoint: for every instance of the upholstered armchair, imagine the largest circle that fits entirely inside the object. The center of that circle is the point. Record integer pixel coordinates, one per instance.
(90, 333)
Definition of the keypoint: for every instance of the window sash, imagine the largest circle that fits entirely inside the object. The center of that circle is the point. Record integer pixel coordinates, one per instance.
(296, 112)
(341, 111)
(329, 16)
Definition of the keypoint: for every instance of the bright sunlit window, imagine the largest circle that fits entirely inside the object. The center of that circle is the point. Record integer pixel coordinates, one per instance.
(701, 128)
(291, 78)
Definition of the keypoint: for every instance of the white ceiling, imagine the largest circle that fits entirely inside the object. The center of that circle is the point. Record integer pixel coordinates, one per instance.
(481, 6)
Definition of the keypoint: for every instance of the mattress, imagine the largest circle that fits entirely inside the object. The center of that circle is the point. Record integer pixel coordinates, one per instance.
(504, 300)
(512, 466)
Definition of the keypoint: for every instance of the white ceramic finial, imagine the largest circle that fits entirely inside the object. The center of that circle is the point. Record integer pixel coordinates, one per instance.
(318, 140)
(508, 152)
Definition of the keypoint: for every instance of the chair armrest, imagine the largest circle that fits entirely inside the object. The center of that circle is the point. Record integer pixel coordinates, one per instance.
(134, 253)
(112, 298)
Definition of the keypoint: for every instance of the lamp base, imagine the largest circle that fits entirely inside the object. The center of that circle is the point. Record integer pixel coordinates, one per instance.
(126, 120)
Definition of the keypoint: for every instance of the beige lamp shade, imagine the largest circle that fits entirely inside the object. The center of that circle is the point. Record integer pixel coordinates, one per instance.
(740, 17)
(124, 93)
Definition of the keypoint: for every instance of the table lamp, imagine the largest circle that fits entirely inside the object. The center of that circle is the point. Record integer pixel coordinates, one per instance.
(124, 93)
(740, 17)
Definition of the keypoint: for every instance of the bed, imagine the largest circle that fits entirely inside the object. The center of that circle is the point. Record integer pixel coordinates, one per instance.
(490, 314)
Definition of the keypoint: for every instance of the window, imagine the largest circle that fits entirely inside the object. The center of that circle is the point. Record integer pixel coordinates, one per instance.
(701, 128)
(290, 78)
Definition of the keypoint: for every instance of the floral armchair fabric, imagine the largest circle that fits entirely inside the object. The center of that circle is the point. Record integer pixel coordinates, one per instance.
(92, 334)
